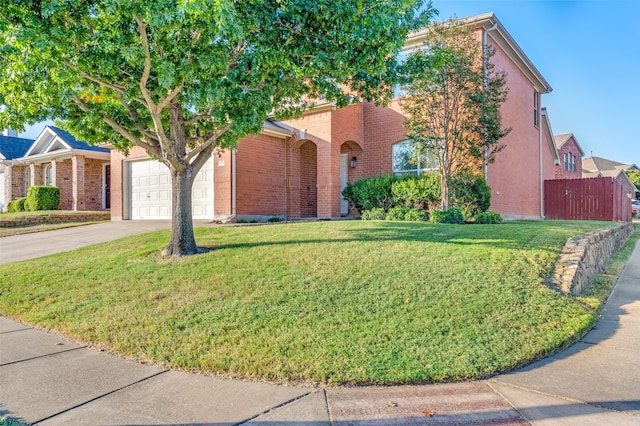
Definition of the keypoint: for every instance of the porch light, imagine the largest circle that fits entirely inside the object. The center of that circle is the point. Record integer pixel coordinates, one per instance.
(352, 163)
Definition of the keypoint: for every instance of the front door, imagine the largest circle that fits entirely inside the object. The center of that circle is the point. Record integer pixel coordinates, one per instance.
(344, 176)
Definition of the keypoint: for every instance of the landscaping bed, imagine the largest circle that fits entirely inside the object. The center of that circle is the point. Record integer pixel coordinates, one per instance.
(13, 220)
(348, 302)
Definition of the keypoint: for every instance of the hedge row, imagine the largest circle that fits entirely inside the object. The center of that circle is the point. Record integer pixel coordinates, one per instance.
(38, 198)
(385, 197)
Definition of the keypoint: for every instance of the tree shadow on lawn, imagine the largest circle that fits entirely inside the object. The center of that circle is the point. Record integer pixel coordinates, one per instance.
(465, 235)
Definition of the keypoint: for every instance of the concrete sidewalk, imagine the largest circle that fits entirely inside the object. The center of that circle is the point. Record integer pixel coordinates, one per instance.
(48, 380)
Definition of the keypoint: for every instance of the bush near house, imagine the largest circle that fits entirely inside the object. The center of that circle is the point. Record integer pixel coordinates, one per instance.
(417, 192)
(470, 193)
(454, 215)
(488, 218)
(17, 205)
(414, 197)
(370, 193)
(42, 198)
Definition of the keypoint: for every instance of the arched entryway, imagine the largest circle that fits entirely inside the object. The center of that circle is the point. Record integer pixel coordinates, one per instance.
(349, 171)
(308, 173)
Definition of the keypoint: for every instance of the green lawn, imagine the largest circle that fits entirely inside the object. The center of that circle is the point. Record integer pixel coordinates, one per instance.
(329, 302)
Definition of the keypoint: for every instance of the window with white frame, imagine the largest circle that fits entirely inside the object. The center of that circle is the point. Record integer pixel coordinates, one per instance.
(405, 161)
(536, 101)
(48, 175)
(569, 162)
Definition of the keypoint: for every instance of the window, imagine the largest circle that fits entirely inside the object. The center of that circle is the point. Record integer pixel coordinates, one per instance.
(404, 160)
(400, 90)
(536, 100)
(48, 175)
(569, 162)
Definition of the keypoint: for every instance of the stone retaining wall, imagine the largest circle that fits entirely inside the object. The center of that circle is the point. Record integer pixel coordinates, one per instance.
(585, 257)
(54, 218)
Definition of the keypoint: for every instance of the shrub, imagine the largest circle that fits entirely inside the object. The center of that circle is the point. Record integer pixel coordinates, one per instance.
(488, 217)
(16, 205)
(453, 215)
(415, 215)
(274, 219)
(396, 213)
(470, 193)
(417, 192)
(376, 213)
(370, 193)
(42, 198)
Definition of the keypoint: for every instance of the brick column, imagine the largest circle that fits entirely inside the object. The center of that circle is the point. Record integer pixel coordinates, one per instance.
(329, 180)
(77, 165)
(35, 178)
(7, 190)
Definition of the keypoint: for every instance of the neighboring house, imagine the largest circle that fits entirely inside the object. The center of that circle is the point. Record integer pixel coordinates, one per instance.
(570, 154)
(592, 166)
(56, 158)
(298, 168)
(11, 178)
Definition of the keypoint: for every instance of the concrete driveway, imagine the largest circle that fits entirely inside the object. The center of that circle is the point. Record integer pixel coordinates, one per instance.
(29, 246)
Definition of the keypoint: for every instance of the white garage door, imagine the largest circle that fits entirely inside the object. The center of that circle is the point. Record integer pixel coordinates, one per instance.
(150, 191)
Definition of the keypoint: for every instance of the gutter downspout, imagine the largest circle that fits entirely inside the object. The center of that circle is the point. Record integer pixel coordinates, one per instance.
(485, 150)
(233, 185)
(541, 175)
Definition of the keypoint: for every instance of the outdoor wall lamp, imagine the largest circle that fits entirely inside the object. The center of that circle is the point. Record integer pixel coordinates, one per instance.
(352, 163)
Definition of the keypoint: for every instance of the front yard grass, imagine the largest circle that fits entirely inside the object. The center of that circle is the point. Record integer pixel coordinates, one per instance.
(349, 302)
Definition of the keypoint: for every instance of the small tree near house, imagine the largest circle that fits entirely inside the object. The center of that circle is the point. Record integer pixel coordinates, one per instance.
(634, 177)
(181, 78)
(453, 101)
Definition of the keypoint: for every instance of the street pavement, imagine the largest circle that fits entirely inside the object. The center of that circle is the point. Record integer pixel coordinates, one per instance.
(46, 379)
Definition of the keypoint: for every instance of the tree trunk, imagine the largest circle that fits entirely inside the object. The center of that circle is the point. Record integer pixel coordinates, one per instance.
(182, 242)
(444, 188)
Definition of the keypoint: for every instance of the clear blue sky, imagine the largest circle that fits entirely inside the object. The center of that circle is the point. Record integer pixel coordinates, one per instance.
(589, 52)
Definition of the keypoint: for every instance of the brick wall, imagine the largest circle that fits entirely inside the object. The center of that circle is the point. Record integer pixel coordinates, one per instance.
(222, 195)
(93, 176)
(514, 177)
(64, 181)
(308, 180)
(260, 176)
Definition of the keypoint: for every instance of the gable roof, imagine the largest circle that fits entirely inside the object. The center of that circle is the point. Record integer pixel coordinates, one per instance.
(12, 147)
(546, 127)
(563, 139)
(594, 164)
(74, 143)
(55, 139)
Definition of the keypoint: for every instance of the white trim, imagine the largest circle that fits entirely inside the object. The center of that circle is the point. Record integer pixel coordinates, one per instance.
(344, 179)
(104, 185)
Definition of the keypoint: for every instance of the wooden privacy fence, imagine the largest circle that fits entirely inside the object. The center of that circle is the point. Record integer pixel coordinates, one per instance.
(602, 198)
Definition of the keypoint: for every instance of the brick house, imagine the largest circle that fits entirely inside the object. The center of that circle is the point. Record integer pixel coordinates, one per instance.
(56, 158)
(299, 167)
(570, 154)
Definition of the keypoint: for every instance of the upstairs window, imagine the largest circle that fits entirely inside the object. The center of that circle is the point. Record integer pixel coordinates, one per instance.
(536, 101)
(569, 162)
(405, 162)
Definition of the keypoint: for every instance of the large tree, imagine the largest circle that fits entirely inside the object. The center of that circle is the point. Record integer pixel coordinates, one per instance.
(452, 102)
(181, 78)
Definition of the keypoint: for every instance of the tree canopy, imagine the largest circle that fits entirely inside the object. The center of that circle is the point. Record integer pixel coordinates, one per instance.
(452, 102)
(181, 78)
